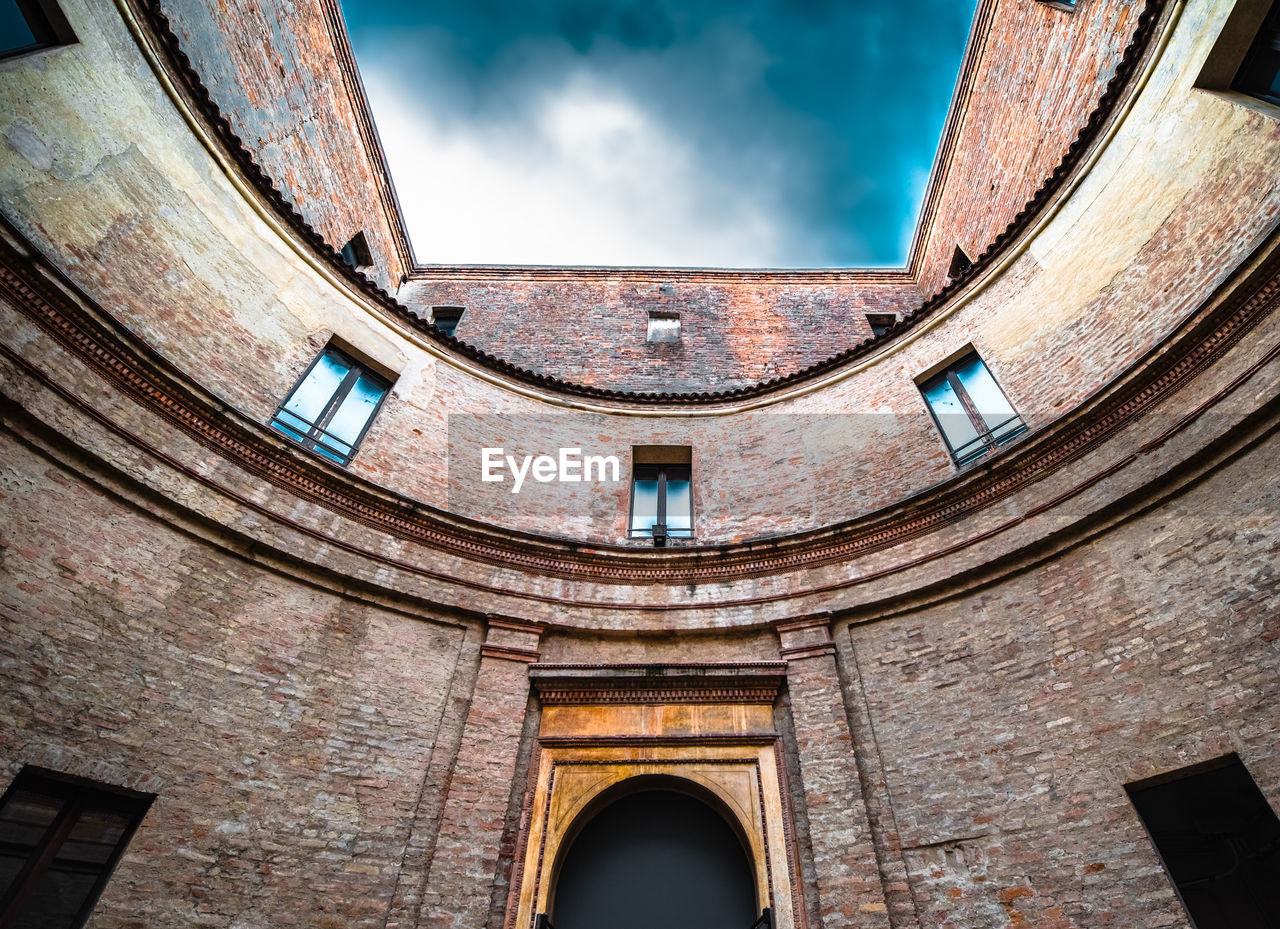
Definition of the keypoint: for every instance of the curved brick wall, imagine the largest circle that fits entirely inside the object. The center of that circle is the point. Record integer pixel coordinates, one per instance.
(321, 672)
(739, 329)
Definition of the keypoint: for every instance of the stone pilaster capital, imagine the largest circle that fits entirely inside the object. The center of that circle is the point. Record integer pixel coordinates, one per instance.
(805, 636)
(510, 639)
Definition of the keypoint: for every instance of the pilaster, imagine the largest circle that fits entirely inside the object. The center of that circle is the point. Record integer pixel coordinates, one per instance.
(850, 893)
(464, 867)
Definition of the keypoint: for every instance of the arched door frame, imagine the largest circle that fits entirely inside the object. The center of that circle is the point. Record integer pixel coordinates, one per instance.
(704, 793)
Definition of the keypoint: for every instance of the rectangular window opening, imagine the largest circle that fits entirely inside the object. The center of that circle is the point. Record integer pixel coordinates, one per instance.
(661, 493)
(664, 326)
(1219, 840)
(960, 264)
(446, 318)
(1259, 73)
(332, 406)
(356, 252)
(881, 322)
(60, 839)
(970, 409)
(30, 25)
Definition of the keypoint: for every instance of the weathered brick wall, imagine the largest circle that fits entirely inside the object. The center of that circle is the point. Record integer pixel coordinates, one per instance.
(1009, 720)
(1040, 73)
(186, 266)
(287, 730)
(589, 330)
(276, 72)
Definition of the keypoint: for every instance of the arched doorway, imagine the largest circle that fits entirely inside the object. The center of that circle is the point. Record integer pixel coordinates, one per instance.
(655, 858)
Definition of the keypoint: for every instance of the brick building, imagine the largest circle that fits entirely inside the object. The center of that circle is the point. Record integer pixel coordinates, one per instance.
(951, 589)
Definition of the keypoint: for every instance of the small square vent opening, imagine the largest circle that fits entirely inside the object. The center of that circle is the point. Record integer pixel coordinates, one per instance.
(664, 326)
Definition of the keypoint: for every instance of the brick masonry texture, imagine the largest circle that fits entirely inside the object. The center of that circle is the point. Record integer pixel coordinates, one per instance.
(731, 334)
(1039, 73)
(297, 114)
(287, 731)
(1010, 720)
(294, 112)
(335, 716)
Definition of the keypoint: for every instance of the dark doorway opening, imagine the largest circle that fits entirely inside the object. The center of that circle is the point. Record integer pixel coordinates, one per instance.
(655, 858)
(1220, 841)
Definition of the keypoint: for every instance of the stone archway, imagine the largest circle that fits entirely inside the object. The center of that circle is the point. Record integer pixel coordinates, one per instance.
(654, 853)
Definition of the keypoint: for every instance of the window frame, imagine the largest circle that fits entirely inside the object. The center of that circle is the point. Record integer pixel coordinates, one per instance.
(48, 26)
(663, 333)
(453, 314)
(985, 442)
(355, 370)
(77, 795)
(1271, 22)
(1138, 794)
(356, 252)
(1231, 49)
(661, 520)
(881, 323)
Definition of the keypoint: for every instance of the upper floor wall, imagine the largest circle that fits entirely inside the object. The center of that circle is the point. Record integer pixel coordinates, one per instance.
(287, 82)
(131, 210)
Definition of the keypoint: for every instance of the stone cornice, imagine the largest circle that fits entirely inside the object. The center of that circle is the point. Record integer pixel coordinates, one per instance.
(757, 682)
(53, 304)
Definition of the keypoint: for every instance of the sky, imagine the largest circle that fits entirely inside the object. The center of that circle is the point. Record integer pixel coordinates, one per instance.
(701, 133)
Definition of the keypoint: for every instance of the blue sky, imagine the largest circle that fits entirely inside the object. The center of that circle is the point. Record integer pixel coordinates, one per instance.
(756, 133)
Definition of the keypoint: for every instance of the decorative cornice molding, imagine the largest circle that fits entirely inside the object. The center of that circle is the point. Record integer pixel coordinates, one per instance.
(510, 653)
(670, 668)
(515, 625)
(658, 741)
(815, 621)
(180, 67)
(152, 382)
(756, 683)
(797, 652)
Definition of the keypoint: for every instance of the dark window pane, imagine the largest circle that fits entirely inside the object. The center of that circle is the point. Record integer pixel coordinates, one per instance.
(59, 838)
(58, 897)
(446, 318)
(1259, 74)
(93, 839)
(1220, 841)
(62, 892)
(24, 820)
(15, 33)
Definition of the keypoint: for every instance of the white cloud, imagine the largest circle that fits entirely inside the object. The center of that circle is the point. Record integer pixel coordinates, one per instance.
(585, 174)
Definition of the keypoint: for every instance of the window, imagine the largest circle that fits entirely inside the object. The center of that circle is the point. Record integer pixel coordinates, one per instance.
(1259, 74)
(356, 252)
(331, 408)
(881, 323)
(970, 409)
(60, 838)
(661, 493)
(27, 25)
(446, 318)
(1067, 5)
(960, 264)
(1219, 840)
(664, 326)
